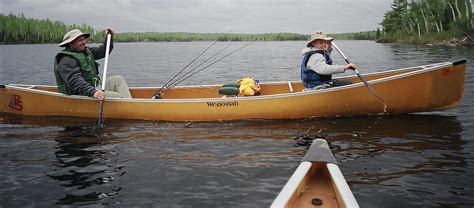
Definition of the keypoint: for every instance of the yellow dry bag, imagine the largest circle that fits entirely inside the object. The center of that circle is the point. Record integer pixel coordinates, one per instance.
(248, 86)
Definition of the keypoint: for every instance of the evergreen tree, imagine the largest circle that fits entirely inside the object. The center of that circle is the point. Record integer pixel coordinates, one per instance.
(428, 19)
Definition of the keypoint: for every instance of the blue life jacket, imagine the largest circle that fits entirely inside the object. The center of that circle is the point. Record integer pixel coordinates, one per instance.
(309, 77)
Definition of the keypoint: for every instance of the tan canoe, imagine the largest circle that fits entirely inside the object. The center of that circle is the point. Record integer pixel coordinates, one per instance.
(425, 88)
(317, 182)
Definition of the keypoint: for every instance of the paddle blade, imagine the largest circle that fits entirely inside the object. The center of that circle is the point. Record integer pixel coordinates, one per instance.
(99, 124)
(100, 118)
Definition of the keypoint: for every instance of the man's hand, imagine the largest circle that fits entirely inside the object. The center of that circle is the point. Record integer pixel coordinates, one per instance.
(110, 31)
(99, 94)
(350, 66)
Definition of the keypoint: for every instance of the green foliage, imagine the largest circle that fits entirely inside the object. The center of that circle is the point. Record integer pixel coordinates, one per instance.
(427, 20)
(186, 37)
(368, 35)
(22, 30)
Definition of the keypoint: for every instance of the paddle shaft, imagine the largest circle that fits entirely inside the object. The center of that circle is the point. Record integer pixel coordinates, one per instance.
(100, 119)
(358, 74)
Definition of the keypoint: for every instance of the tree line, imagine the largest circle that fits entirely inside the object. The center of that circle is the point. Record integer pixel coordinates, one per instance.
(18, 29)
(427, 19)
(367, 35)
(186, 37)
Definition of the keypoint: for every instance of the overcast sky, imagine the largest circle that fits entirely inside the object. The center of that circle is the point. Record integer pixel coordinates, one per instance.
(240, 16)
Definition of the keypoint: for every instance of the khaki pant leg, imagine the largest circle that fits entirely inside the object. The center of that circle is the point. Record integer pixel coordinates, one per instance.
(116, 87)
(111, 94)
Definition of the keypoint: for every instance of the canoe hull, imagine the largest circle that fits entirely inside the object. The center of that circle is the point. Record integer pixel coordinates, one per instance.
(404, 91)
(317, 182)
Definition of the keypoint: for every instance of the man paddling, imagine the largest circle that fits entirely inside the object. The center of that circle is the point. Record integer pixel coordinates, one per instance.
(317, 68)
(77, 72)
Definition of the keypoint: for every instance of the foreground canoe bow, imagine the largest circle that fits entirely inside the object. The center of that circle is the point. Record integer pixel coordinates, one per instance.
(317, 182)
(425, 88)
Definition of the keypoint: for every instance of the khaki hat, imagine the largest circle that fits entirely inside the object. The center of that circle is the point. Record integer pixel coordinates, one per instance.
(72, 35)
(318, 36)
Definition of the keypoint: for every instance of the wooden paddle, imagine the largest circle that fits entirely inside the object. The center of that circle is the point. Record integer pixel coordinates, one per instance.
(100, 120)
(361, 77)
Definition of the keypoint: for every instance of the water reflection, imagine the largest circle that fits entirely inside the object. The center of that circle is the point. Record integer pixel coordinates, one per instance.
(420, 158)
(408, 156)
(85, 166)
(390, 161)
(383, 157)
(412, 55)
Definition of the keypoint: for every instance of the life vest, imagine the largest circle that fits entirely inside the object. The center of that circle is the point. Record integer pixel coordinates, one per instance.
(248, 86)
(88, 66)
(309, 77)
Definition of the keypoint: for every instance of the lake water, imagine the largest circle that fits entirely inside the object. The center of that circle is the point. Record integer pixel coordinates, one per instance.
(414, 160)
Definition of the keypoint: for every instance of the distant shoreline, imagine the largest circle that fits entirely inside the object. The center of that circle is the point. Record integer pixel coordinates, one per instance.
(20, 31)
(448, 41)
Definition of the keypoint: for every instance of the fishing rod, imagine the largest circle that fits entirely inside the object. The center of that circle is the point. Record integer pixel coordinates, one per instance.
(216, 61)
(165, 86)
(179, 80)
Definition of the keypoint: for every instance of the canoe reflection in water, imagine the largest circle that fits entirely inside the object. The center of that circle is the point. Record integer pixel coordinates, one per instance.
(420, 158)
(412, 156)
(85, 166)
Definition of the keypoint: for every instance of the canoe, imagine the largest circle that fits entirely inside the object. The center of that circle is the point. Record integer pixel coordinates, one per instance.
(317, 182)
(424, 88)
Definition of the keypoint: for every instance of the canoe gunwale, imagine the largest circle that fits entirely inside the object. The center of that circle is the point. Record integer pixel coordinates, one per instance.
(341, 187)
(419, 70)
(293, 186)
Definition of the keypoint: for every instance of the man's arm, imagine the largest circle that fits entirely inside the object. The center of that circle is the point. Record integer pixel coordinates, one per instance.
(318, 64)
(99, 52)
(71, 74)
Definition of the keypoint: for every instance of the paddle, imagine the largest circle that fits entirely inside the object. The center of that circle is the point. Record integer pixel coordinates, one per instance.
(361, 78)
(100, 120)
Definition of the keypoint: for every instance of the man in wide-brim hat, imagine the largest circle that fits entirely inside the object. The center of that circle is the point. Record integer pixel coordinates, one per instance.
(77, 72)
(318, 36)
(317, 68)
(71, 36)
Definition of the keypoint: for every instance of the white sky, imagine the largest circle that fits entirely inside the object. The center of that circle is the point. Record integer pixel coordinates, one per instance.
(240, 16)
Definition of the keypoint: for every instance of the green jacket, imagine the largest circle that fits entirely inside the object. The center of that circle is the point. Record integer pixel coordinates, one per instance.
(88, 67)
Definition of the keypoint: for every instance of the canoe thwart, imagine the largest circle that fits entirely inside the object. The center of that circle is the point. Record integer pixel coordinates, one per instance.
(291, 87)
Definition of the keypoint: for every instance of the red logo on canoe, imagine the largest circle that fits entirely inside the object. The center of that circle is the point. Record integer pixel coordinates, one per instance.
(446, 72)
(15, 103)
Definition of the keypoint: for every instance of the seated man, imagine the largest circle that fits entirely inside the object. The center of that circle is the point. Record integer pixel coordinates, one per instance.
(317, 68)
(77, 72)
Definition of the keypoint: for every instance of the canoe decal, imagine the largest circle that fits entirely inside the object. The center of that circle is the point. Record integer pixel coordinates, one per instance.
(446, 72)
(15, 103)
(223, 104)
